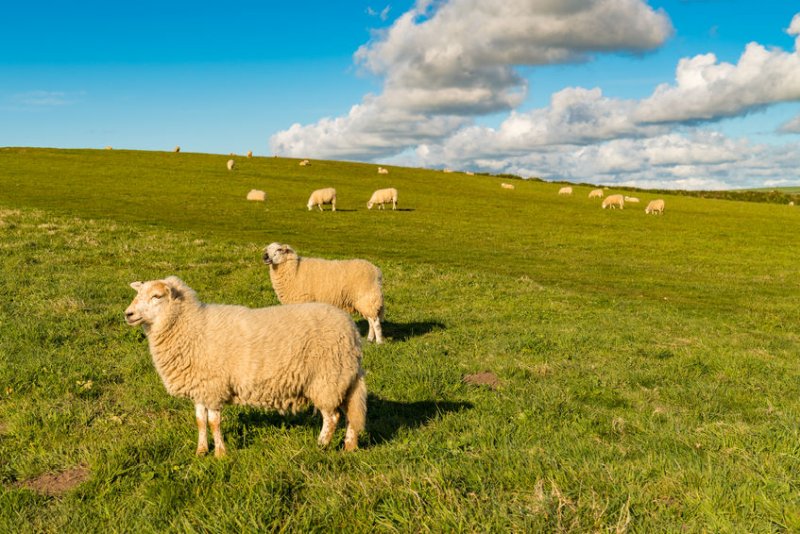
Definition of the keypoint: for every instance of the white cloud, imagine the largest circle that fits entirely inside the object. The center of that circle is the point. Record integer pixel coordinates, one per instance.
(707, 90)
(42, 99)
(792, 126)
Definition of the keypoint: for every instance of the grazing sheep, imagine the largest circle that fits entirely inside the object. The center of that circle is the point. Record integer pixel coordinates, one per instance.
(352, 285)
(565, 191)
(281, 357)
(231, 164)
(109, 148)
(382, 170)
(507, 186)
(655, 206)
(632, 200)
(249, 153)
(596, 193)
(381, 196)
(256, 194)
(304, 163)
(322, 196)
(177, 149)
(448, 170)
(469, 173)
(614, 202)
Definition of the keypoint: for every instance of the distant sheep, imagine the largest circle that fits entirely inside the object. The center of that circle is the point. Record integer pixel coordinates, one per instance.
(507, 186)
(177, 149)
(614, 202)
(382, 170)
(231, 164)
(447, 170)
(304, 163)
(109, 148)
(382, 196)
(256, 194)
(632, 200)
(352, 285)
(565, 191)
(249, 153)
(469, 173)
(322, 196)
(655, 206)
(281, 357)
(791, 202)
(596, 193)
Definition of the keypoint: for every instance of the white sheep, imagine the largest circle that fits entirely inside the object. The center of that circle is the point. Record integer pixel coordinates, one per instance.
(304, 163)
(352, 285)
(614, 202)
(249, 153)
(655, 206)
(448, 171)
(231, 164)
(322, 196)
(177, 149)
(281, 357)
(632, 200)
(381, 196)
(469, 173)
(596, 193)
(382, 170)
(257, 194)
(507, 186)
(565, 191)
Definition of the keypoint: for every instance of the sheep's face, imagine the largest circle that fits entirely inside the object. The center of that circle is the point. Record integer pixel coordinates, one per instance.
(150, 301)
(276, 253)
(369, 205)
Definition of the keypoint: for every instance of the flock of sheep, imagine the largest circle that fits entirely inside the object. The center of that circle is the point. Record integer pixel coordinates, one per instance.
(615, 201)
(305, 351)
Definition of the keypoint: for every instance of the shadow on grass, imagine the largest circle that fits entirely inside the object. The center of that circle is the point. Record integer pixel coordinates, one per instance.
(385, 418)
(402, 331)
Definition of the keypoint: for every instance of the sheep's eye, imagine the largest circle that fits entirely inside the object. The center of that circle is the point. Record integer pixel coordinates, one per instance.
(157, 296)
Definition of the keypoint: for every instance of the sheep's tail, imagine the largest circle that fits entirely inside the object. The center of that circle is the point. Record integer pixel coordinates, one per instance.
(355, 409)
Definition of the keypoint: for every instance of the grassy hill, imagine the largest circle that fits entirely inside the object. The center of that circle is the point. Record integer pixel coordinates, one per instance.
(648, 366)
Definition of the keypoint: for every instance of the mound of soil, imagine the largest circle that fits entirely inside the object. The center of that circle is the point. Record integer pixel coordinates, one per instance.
(57, 483)
(485, 378)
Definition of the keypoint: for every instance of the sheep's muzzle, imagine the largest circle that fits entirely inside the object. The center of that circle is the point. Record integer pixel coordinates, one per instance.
(267, 259)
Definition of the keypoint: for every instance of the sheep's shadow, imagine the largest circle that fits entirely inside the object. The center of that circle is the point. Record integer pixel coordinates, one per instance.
(402, 331)
(385, 419)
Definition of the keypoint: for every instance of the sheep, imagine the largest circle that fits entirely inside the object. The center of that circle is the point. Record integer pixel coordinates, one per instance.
(565, 191)
(382, 196)
(109, 148)
(469, 173)
(596, 193)
(655, 206)
(448, 171)
(613, 202)
(352, 285)
(632, 200)
(177, 149)
(791, 202)
(256, 194)
(507, 186)
(231, 164)
(322, 196)
(382, 170)
(249, 153)
(304, 163)
(280, 357)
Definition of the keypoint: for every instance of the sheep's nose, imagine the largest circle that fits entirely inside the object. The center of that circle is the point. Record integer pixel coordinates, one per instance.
(128, 314)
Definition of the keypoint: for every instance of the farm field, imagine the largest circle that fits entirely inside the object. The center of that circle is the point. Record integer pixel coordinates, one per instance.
(648, 367)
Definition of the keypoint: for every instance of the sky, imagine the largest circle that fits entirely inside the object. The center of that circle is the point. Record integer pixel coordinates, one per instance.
(678, 94)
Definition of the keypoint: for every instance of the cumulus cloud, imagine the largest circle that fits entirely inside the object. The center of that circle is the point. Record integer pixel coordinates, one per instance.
(707, 90)
(445, 62)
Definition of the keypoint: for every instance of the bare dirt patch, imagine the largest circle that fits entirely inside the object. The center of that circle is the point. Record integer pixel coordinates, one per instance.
(485, 378)
(57, 483)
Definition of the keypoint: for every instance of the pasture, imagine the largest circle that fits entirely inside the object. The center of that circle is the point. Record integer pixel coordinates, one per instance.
(647, 366)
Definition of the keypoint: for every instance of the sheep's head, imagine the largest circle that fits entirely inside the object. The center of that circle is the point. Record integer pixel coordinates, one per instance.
(151, 300)
(276, 253)
(369, 205)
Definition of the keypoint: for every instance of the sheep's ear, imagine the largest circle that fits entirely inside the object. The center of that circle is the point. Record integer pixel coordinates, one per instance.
(174, 288)
(136, 285)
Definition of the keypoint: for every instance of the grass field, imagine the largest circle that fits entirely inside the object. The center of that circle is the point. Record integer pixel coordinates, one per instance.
(648, 366)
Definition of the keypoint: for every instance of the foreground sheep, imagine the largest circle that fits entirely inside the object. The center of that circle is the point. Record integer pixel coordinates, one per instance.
(614, 202)
(322, 196)
(507, 186)
(655, 206)
(231, 164)
(257, 194)
(596, 193)
(282, 357)
(382, 196)
(352, 285)
(565, 191)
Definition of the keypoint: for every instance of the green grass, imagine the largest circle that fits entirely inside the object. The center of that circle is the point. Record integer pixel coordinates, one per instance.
(649, 365)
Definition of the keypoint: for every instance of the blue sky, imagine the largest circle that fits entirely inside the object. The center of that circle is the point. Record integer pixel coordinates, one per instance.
(444, 83)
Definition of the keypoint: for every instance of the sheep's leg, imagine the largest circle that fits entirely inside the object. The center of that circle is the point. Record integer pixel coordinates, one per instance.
(320, 207)
(201, 415)
(215, 420)
(375, 333)
(394, 205)
(329, 422)
(333, 205)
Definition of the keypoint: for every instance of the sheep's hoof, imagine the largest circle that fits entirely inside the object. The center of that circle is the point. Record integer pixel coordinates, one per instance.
(350, 445)
(201, 451)
(220, 452)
